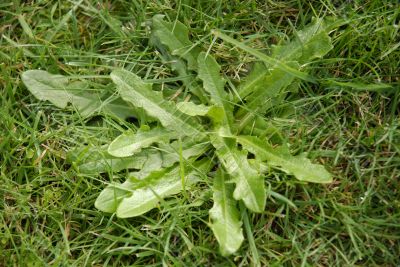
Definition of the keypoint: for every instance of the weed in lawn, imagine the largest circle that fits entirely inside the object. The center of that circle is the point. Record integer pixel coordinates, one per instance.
(177, 162)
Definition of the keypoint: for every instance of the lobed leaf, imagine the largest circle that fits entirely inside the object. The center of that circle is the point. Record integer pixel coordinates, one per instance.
(269, 86)
(153, 162)
(174, 152)
(109, 199)
(253, 81)
(178, 65)
(91, 160)
(249, 183)
(209, 73)
(175, 37)
(270, 61)
(224, 214)
(132, 89)
(279, 157)
(169, 183)
(310, 43)
(261, 98)
(60, 91)
(128, 144)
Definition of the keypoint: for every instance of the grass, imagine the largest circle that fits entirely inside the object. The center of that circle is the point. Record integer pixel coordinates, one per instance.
(47, 215)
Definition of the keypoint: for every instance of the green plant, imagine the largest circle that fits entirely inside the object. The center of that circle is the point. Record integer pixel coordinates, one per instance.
(207, 131)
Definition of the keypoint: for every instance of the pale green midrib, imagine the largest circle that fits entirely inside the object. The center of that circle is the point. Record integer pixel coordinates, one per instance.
(218, 98)
(162, 192)
(225, 212)
(163, 111)
(147, 139)
(241, 172)
(280, 160)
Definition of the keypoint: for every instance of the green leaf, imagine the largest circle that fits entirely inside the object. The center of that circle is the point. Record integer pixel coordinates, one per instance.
(226, 224)
(192, 109)
(111, 196)
(171, 153)
(269, 87)
(249, 183)
(310, 43)
(279, 157)
(146, 198)
(175, 37)
(91, 160)
(130, 143)
(118, 107)
(153, 162)
(132, 89)
(178, 65)
(215, 113)
(275, 63)
(253, 81)
(55, 88)
(60, 91)
(209, 73)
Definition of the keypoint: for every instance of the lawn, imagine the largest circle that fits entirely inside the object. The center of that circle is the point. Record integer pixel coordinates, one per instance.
(337, 116)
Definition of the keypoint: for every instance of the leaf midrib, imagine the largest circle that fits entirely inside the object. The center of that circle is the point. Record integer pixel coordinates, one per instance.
(161, 110)
(241, 172)
(275, 158)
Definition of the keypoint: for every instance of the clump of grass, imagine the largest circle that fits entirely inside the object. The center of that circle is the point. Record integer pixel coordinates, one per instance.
(47, 214)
